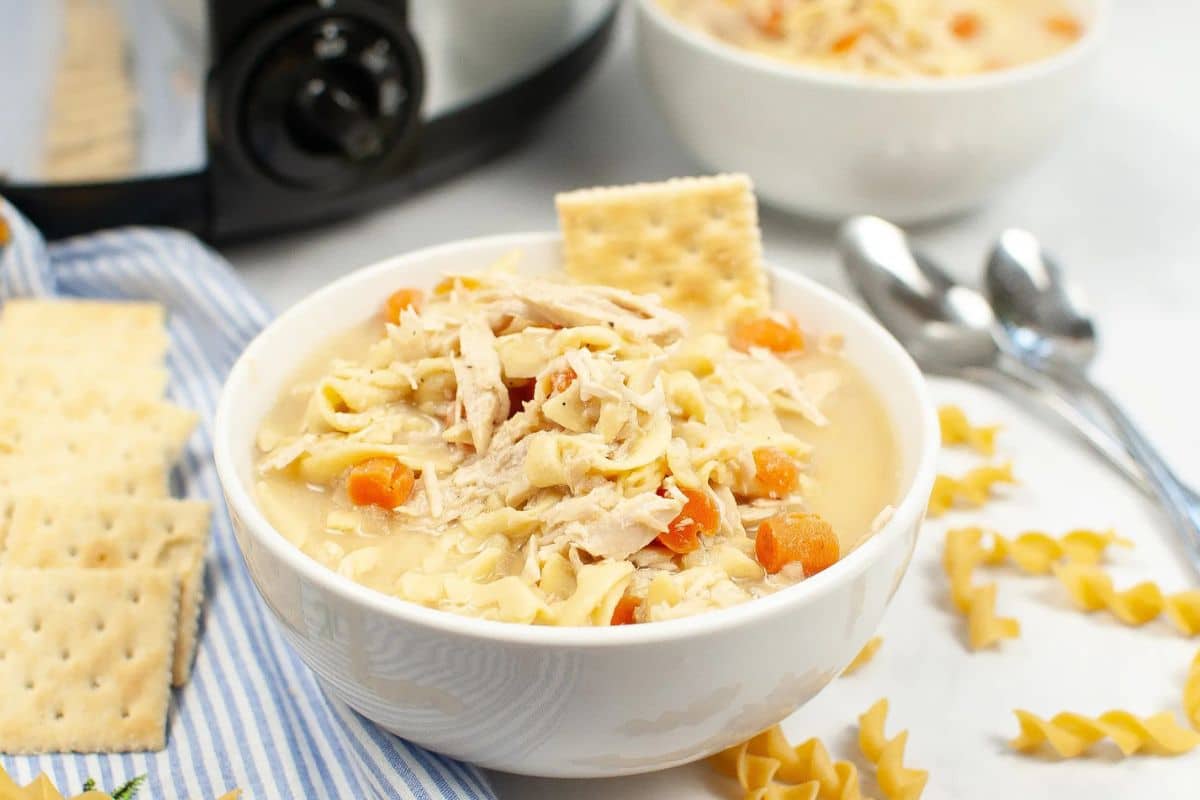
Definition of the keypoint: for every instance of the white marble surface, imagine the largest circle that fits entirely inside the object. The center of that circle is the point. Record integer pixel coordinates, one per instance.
(1119, 203)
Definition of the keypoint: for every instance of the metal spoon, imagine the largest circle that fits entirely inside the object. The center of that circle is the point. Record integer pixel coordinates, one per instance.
(950, 329)
(1046, 327)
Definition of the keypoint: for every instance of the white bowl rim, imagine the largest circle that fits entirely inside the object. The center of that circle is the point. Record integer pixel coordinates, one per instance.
(1033, 70)
(239, 497)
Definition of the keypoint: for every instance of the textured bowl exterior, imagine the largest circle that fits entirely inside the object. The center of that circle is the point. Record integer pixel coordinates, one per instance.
(567, 702)
(829, 145)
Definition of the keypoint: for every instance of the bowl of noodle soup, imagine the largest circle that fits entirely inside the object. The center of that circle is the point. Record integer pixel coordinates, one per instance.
(567, 701)
(847, 119)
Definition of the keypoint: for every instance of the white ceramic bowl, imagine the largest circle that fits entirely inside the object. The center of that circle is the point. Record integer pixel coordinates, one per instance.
(828, 145)
(567, 702)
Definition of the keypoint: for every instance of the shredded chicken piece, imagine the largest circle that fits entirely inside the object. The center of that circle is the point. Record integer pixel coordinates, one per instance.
(284, 455)
(481, 390)
(500, 472)
(607, 525)
(632, 315)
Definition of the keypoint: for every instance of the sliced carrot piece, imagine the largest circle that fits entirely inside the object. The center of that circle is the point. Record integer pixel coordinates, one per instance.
(446, 285)
(1064, 25)
(400, 300)
(562, 380)
(845, 43)
(770, 26)
(626, 611)
(768, 332)
(965, 25)
(383, 482)
(777, 473)
(791, 537)
(699, 515)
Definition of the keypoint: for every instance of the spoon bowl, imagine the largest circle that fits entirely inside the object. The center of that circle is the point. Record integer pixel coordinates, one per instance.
(1044, 318)
(945, 326)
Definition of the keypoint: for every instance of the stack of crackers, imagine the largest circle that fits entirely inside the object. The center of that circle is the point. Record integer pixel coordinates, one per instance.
(101, 572)
(92, 125)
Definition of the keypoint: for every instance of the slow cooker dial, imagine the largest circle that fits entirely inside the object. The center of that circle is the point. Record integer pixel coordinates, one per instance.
(328, 100)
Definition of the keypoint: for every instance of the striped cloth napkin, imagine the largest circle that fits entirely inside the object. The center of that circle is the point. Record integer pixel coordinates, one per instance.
(253, 716)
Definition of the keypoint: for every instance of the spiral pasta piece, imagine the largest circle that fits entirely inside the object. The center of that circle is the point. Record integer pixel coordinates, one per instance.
(972, 490)
(1191, 693)
(897, 781)
(1091, 589)
(1069, 734)
(768, 767)
(1036, 552)
(958, 430)
(866, 654)
(962, 553)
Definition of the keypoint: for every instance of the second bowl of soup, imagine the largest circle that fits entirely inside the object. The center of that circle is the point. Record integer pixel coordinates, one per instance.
(839, 108)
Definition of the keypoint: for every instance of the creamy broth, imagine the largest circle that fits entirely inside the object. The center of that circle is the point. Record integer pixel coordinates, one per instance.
(850, 475)
(854, 463)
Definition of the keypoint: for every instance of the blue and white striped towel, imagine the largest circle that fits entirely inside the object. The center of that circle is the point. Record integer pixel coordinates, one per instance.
(252, 716)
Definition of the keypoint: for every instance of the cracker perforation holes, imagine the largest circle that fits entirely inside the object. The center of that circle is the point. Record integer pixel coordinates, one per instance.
(108, 523)
(65, 654)
(29, 684)
(73, 551)
(58, 714)
(47, 521)
(94, 683)
(36, 627)
(129, 654)
(133, 556)
(124, 713)
(70, 597)
(100, 625)
(135, 596)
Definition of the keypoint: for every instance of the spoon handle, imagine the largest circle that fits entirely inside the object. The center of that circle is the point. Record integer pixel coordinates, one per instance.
(1178, 500)
(1063, 406)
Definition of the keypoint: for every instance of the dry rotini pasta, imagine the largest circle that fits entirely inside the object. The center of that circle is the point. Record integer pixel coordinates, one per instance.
(961, 555)
(768, 767)
(1091, 589)
(1191, 693)
(958, 430)
(972, 490)
(897, 781)
(1070, 735)
(1036, 552)
(865, 655)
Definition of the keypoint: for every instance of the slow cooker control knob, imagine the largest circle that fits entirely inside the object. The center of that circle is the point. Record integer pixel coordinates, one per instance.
(329, 100)
(333, 119)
